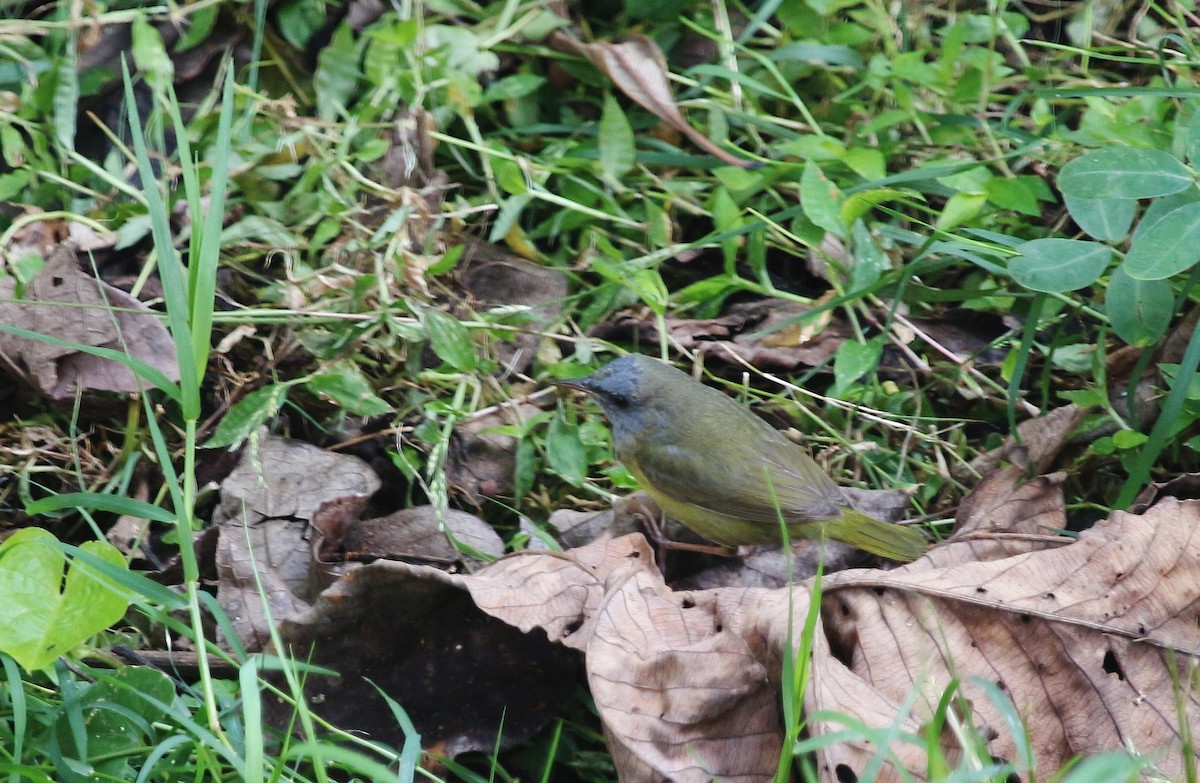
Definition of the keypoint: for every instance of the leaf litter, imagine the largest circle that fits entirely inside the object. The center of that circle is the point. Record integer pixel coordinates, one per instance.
(1091, 639)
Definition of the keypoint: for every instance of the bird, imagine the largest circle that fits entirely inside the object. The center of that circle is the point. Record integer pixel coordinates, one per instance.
(720, 470)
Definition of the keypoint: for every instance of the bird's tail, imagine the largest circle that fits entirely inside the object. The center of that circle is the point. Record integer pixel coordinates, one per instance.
(894, 542)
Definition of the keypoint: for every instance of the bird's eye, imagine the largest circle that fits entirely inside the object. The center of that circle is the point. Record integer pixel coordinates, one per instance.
(620, 400)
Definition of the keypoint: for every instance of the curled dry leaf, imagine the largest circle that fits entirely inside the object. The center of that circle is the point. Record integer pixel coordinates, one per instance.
(65, 303)
(463, 677)
(419, 534)
(755, 332)
(638, 68)
(1088, 640)
(267, 503)
(1039, 441)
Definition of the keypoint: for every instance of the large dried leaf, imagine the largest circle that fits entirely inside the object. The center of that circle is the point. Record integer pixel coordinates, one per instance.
(1079, 636)
(64, 302)
(267, 503)
(463, 677)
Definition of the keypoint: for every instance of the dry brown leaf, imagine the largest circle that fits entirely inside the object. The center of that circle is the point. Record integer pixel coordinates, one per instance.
(496, 278)
(638, 68)
(481, 462)
(1078, 636)
(685, 699)
(419, 534)
(463, 677)
(750, 332)
(1038, 443)
(64, 302)
(266, 505)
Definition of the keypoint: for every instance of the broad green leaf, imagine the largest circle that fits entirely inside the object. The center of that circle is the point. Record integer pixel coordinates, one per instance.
(1129, 439)
(1056, 265)
(870, 262)
(960, 208)
(726, 214)
(565, 454)
(854, 360)
(1161, 207)
(1170, 371)
(511, 87)
(820, 149)
(349, 388)
(387, 45)
(1074, 358)
(861, 202)
(201, 22)
(616, 141)
(1015, 193)
(450, 340)
(463, 49)
(866, 162)
(298, 20)
(1124, 172)
(509, 176)
(524, 469)
(336, 79)
(150, 54)
(43, 615)
(247, 415)
(821, 200)
(118, 720)
(1170, 246)
(1106, 219)
(1140, 310)
(650, 288)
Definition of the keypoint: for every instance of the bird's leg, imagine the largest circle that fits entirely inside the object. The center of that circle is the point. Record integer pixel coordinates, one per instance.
(646, 513)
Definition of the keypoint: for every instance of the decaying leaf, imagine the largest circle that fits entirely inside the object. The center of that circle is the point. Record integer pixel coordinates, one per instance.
(419, 534)
(749, 331)
(65, 303)
(638, 68)
(267, 503)
(481, 462)
(1040, 440)
(465, 678)
(495, 278)
(1088, 640)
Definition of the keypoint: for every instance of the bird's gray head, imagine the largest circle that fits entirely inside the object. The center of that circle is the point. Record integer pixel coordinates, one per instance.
(630, 390)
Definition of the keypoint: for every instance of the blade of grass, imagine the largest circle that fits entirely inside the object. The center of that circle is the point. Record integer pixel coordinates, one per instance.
(170, 268)
(1139, 474)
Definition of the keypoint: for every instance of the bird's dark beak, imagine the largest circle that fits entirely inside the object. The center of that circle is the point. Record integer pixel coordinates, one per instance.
(579, 384)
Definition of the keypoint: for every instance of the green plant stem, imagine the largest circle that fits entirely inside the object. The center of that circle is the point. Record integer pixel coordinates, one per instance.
(1014, 383)
(191, 576)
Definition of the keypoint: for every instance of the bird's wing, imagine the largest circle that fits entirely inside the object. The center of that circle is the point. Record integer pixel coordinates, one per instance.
(801, 488)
